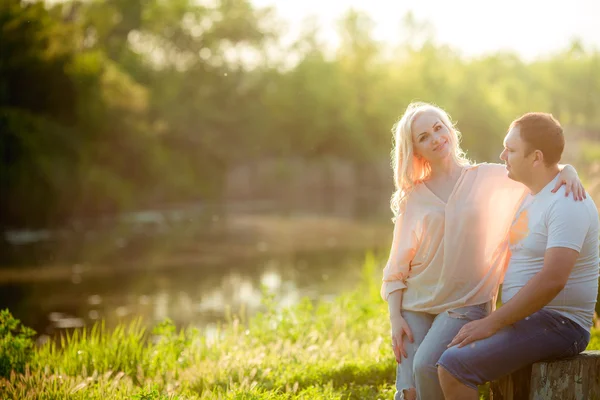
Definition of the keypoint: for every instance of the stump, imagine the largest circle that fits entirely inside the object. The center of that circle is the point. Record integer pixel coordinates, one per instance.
(574, 378)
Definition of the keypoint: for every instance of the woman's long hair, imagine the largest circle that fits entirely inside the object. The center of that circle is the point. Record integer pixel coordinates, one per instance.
(408, 169)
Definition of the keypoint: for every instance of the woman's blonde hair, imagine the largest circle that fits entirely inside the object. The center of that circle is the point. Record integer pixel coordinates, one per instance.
(408, 169)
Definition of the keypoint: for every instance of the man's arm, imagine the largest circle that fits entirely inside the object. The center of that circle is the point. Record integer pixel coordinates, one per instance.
(540, 290)
(567, 227)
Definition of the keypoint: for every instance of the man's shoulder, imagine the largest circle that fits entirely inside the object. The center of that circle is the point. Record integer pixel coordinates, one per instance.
(560, 198)
(559, 203)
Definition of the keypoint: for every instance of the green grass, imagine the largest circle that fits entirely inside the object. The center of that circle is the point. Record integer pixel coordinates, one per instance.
(330, 350)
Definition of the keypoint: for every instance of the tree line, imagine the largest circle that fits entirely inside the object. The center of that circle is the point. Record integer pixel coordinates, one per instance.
(121, 104)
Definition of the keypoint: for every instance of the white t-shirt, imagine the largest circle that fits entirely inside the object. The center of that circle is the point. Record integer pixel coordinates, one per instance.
(547, 220)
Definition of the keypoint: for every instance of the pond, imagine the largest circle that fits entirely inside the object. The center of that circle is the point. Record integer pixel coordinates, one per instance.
(194, 270)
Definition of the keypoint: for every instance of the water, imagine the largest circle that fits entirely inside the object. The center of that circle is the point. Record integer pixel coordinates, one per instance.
(195, 271)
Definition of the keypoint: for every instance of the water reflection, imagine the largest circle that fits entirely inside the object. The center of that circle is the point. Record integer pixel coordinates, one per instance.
(189, 296)
(195, 273)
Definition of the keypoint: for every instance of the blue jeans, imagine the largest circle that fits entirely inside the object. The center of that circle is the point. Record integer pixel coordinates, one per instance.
(432, 334)
(544, 335)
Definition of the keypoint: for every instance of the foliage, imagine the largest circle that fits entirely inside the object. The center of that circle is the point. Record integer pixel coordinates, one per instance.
(16, 344)
(109, 106)
(326, 350)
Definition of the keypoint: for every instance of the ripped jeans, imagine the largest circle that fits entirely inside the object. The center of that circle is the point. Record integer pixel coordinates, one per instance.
(432, 334)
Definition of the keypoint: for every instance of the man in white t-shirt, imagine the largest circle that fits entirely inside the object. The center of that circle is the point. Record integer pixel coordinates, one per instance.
(551, 283)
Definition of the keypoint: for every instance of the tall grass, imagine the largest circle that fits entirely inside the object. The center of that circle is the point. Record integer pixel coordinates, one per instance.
(329, 350)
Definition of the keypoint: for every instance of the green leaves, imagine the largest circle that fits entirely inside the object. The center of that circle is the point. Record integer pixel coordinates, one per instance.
(16, 344)
(161, 99)
(335, 349)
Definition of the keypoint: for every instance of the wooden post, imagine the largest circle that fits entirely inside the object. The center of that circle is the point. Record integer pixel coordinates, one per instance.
(512, 387)
(575, 378)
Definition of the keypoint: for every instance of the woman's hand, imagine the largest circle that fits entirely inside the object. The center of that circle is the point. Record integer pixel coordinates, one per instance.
(568, 177)
(400, 329)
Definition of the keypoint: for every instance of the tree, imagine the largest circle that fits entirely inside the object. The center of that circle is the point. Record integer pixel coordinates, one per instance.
(37, 98)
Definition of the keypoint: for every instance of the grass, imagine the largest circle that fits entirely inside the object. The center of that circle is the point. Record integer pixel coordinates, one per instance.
(329, 350)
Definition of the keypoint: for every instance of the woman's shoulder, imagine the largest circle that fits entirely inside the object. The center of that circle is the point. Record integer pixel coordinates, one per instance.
(493, 174)
(420, 199)
(487, 169)
(413, 198)
(485, 166)
(417, 192)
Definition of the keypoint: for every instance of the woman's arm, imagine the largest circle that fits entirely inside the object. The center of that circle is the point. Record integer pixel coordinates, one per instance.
(568, 177)
(399, 325)
(396, 271)
(401, 254)
(395, 303)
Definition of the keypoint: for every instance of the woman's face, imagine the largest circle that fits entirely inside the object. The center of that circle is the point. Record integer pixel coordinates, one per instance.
(431, 138)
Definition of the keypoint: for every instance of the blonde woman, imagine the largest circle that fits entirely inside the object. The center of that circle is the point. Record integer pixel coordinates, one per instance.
(449, 247)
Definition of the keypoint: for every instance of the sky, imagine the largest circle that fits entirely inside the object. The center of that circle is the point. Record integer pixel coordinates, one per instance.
(532, 28)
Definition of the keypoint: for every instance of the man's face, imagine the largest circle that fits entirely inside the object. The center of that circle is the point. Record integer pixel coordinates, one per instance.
(518, 165)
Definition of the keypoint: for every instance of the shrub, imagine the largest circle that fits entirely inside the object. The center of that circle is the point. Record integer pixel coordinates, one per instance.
(16, 344)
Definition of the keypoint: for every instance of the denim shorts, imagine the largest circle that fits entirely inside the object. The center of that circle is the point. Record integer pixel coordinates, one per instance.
(544, 335)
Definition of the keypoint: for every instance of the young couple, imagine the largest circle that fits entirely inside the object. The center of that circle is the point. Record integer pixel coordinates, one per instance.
(461, 230)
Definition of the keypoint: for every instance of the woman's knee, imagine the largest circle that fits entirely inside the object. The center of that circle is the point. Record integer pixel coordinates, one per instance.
(423, 366)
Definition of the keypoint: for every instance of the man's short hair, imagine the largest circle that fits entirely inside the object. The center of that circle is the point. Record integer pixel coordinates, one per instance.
(541, 131)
